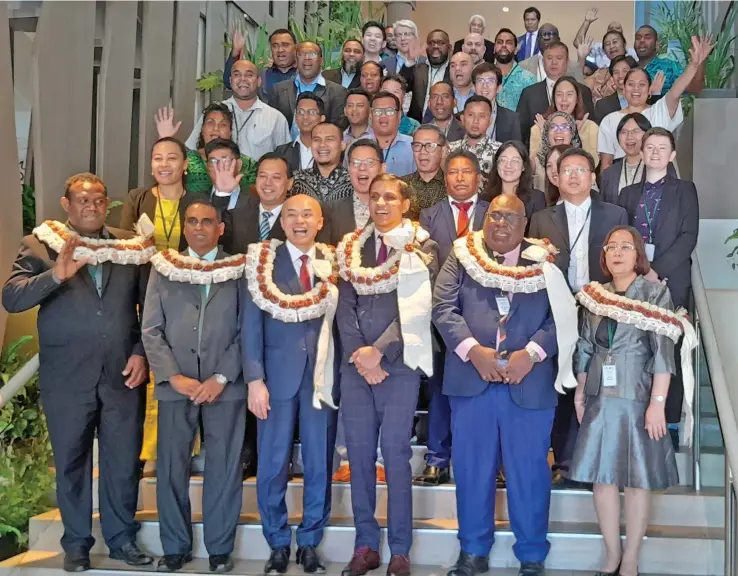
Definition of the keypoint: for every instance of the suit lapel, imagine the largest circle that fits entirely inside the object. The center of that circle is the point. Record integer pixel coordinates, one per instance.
(276, 230)
(561, 223)
(292, 96)
(215, 288)
(107, 270)
(595, 216)
(284, 272)
(369, 253)
(669, 200)
(480, 213)
(448, 218)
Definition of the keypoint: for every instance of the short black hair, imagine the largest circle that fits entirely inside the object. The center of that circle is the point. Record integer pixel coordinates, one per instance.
(359, 92)
(385, 94)
(622, 58)
(442, 140)
(438, 30)
(222, 144)
(208, 204)
(312, 96)
(651, 28)
(83, 177)
(318, 46)
(558, 44)
(483, 68)
(173, 140)
(533, 9)
(366, 143)
(507, 31)
(352, 40)
(478, 98)
(367, 63)
(577, 152)
(641, 121)
(443, 83)
(395, 78)
(374, 24)
(658, 131)
(218, 107)
(274, 156)
(462, 154)
(638, 69)
(329, 123)
(618, 32)
(279, 32)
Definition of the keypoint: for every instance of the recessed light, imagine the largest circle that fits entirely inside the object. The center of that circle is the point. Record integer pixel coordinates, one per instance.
(505, 9)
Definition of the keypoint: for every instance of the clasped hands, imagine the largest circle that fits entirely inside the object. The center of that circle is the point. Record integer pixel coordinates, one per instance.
(198, 392)
(486, 361)
(367, 361)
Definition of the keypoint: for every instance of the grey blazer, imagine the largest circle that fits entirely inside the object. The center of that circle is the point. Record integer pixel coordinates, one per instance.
(174, 328)
(456, 131)
(283, 97)
(637, 354)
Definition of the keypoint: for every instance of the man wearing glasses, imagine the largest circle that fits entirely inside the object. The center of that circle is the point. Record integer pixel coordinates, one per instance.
(397, 153)
(429, 150)
(441, 106)
(310, 112)
(505, 124)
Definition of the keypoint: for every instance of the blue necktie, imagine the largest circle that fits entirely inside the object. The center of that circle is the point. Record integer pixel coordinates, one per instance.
(264, 227)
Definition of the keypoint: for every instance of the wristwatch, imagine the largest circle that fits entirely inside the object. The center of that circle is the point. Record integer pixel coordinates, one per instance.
(534, 356)
(220, 379)
(658, 398)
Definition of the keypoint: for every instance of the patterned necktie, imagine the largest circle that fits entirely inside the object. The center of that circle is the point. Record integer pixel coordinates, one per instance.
(305, 274)
(264, 227)
(462, 226)
(382, 255)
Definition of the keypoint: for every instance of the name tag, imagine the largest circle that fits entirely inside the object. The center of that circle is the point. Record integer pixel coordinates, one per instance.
(609, 375)
(503, 305)
(650, 251)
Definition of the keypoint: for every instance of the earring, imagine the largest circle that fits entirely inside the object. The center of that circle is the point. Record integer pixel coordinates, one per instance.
(185, 172)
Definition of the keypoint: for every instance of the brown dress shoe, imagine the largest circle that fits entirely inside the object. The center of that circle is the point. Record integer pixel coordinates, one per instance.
(399, 565)
(343, 474)
(364, 560)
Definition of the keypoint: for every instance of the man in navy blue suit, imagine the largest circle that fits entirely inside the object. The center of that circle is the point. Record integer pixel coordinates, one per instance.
(528, 42)
(289, 369)
(501, 339)
(453, 218)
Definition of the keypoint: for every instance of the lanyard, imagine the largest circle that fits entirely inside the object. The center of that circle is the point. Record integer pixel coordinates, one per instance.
(167, 234)
(650, 219)
(506, 78)
(586, 218)
(385, 153)
(611, 325)
(243, 125)
(635, 174)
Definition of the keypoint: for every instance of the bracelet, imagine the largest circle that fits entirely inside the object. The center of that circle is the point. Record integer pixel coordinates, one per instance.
(658, 398)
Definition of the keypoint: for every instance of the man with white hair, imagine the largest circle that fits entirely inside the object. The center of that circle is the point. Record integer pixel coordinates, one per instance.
(474, 46)
(406, 37)
(477, 25)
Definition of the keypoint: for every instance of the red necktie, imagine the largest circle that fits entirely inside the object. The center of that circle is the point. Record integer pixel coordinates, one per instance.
(305, 274)
(462, 226)
(382, 255)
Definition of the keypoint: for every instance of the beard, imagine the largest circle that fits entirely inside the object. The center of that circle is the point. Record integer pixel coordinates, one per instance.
(505, 59)
(349, 67)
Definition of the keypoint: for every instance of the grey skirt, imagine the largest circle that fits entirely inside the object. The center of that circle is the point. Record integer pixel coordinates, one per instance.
(613, 447)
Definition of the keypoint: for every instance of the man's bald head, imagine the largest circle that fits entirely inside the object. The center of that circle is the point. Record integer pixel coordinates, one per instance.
(504, 226)
(302, 219)
(507, 202)
(461, 69)
(245, 80)
(301, 201)
(474, 46)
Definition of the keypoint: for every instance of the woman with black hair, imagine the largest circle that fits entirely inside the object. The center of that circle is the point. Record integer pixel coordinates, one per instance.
(629, 169)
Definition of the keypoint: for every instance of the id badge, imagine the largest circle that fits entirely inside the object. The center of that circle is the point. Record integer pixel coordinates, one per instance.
(650, 251)
(503, 305)
(609, 375)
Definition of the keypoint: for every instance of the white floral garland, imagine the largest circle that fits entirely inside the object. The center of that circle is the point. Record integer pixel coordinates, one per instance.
(472, 254)
(188, 270)
(378, 279)
(136, 251)
(288, 307)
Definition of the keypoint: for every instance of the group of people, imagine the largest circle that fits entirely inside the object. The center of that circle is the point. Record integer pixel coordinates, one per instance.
(327, 244)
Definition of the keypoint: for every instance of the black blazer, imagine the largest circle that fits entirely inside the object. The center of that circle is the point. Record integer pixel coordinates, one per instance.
(242, 228)
(507, 125)
(609, 181)
(607, 105)
(534, 202)
(534, 100)
(283, 97)
(417, 83)
(291, 153)
(552, 223)
(489, 49)
(340, 219)
(456, 131)
(334, 75)
(142, 201)
(674, 234)
(80, 334)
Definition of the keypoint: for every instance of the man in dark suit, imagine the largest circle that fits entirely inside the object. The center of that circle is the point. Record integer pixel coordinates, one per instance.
(352, 54)
(420, 76)
(477, 25)
(380, 370)
(528, 42)
(309, 113)
(192, 335)
(463, 212)
(222, 156)
(577, 227)
(282, 360)
(499, 377)
(92, 366)
(441, 105)
(284, 95)
(487, 80)
(537, 98)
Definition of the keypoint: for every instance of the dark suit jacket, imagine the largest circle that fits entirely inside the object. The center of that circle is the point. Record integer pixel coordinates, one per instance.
(534, 202)
(534, 100)
(340, 218)
(334, 75)
(417, 83)
(438, 220)
(674, 233)
(507, 125)
(456, 131)
(80, 334)
(283, 97)
(291, 153)
(242, 228)
(175, 328)
(609, 181)
(607, 105)
(489, 49)
(552, 223)
(523, 48)
(463, 309)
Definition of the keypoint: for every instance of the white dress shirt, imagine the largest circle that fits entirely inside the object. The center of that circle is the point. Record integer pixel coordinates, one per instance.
(549, 88)
(296, 255)
(541, 70)
(306, 155)
(531, 39)
(578, 218)
(455, 211)
(378, 241)
(273, 218)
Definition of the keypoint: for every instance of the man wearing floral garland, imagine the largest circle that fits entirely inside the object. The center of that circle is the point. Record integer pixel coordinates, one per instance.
(192, 335)
(387, 269)
(502, 326)
(289, 366)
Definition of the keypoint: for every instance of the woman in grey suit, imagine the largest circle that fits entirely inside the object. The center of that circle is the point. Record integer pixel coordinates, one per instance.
(623, 369)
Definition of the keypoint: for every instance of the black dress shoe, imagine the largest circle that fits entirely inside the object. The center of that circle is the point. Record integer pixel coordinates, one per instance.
(77, 561)
(432, 476)
(500, 482)
(307, 557)
(469, 565)
(249, 471)
(131, 555)
(532, 569)
(278, 561)
(173, 562)
(221, 563)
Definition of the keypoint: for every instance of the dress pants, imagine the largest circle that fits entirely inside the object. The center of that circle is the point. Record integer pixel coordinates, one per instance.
(486, 427)
(73, 419)
(223, 424)
(391, 406)
(276, 439)
(565, 430)
(439, 416)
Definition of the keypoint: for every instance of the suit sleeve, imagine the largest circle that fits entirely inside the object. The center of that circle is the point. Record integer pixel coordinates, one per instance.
(447, 315)
(525, 119)
(31, 281)
(338, 101)
(230, 364)
(347, 318)
(585, 347)
(545, 336)
(534, 230)
(128, 216)
(144, 272)
(227, 71)
(158, 351)
(679, 253)
(252, 337)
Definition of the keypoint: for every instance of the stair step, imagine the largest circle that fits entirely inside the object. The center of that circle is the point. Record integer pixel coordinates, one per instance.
(574, 546)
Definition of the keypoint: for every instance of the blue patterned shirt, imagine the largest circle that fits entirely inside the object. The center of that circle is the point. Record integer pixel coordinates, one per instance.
(648, 209)
(671, 69)
(513, 85)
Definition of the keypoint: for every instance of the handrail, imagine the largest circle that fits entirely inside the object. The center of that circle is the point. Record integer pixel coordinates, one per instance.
(19, 380)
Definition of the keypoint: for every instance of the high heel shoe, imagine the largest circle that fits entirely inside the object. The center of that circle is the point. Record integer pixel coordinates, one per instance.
(616, 573)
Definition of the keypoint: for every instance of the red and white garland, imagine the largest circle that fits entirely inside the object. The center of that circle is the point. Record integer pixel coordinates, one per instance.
(472, 254)
(287, 307)
(138, 250)
(188, 270)
(378, 279)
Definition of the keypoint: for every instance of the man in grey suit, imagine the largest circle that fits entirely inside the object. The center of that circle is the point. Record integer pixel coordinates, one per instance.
(92, 365)
(578, 228)
(548, 34)
(192, 335)
(441, 103)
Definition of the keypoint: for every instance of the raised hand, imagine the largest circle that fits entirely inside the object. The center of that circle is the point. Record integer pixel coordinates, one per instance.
(417, 50)
(581, 122)
(66, 266)
(165, 126)
(657, 85)
(225, 180)
(540, 122)
(238, 41)
(584, 48)
(591, 15)
(700, 50)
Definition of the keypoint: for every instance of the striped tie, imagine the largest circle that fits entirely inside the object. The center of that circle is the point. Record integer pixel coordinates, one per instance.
(264, 227)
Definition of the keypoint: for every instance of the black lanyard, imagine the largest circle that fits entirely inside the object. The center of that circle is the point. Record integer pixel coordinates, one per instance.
(385, 153)
(167, 233)
(586, 219)
(635, 174)
(243, 124)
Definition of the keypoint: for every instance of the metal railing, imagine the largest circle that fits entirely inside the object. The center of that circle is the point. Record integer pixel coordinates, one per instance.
(18, 381)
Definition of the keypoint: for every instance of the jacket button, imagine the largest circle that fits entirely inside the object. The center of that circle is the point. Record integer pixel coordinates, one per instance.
(197, 307)
(194, 328)
(193, 350)
(99, 312)
(104, 336)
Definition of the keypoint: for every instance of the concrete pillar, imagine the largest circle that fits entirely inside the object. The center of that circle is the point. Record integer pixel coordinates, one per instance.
(10, 215)
(187, 19)
(399, 11)
(62, 117)
(115, 96)
(215, 18)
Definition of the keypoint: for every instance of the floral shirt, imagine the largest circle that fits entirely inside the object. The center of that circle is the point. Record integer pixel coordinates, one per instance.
(484, 151)
(671, 69)
(311, 182)
(513, 85)
(426, 194)
(361, 212)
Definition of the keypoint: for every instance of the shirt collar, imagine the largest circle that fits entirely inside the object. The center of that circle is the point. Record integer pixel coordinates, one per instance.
(473, 200)
(571, 208)
(377, 233)
(257, 105)
(210, 256)
(296, 253)
(275, 211)
(511, 258)
(317, 172)
(317, 81)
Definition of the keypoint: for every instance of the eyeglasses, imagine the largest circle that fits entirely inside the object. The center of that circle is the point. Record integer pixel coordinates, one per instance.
(560, 128)
(311, 55)
(634, 132)
(441, 96)
(580, 170)
(224, 161)
(379, 112)
(506, 217)
(512, 162)
(307, 112)
(487, 81)
(549, 33)
(614, 247)
(367, 162)
(427, 146)
(401, 35)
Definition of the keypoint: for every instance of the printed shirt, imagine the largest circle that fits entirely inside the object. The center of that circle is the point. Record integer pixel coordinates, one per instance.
(671, 69)
(311, 182)
(650, 199)
(484, 151)
(513, 85)
(426, 194)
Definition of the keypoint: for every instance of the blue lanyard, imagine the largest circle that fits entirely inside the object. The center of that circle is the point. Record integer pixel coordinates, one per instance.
(385, 153)
(649, 219)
